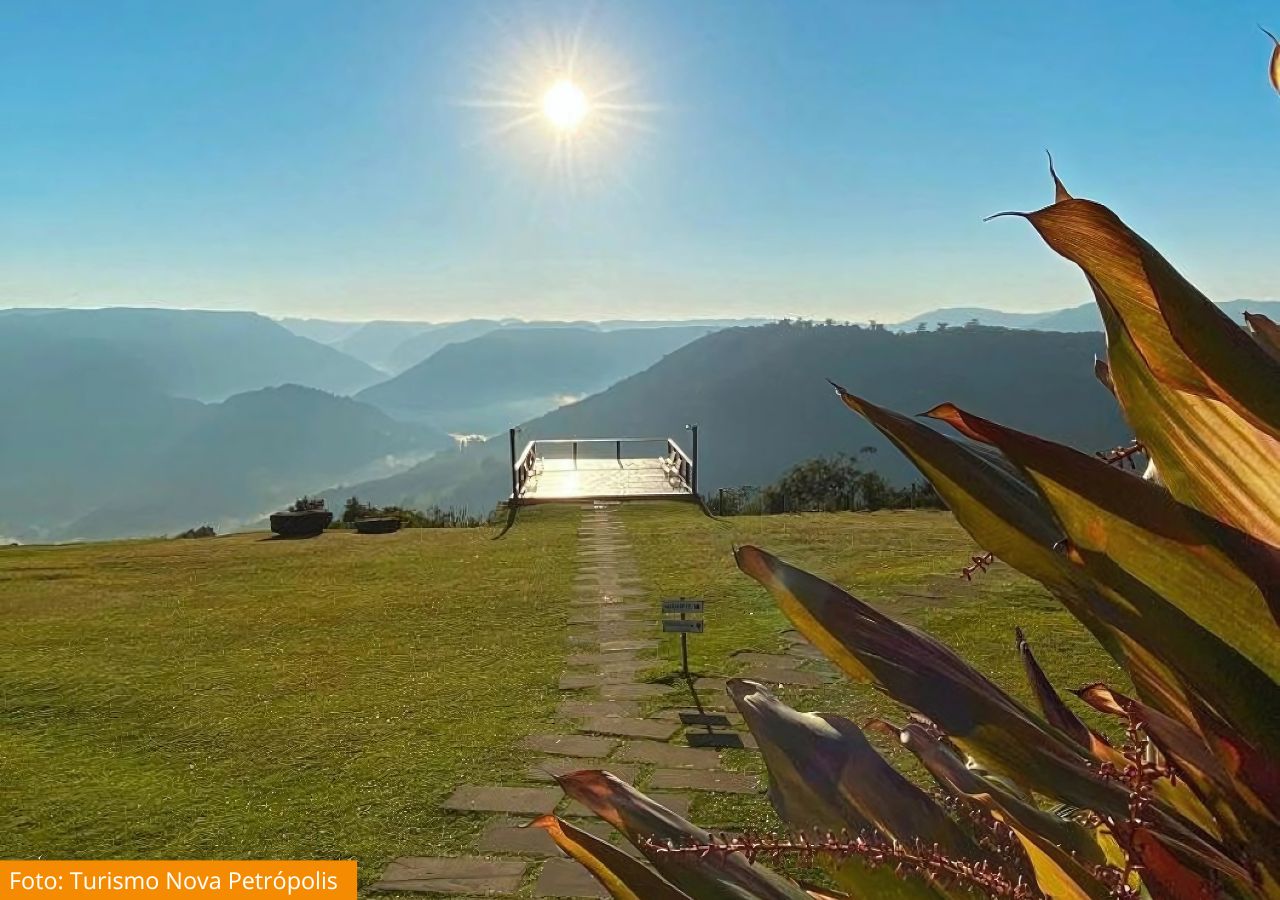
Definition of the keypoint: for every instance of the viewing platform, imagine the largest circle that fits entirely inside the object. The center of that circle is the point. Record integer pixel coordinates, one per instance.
(569, 470)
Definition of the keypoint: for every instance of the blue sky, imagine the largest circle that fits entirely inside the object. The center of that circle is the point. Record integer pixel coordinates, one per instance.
(822, 159)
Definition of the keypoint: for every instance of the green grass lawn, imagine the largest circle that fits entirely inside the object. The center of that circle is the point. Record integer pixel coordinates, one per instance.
(907, 563)
(242, 697)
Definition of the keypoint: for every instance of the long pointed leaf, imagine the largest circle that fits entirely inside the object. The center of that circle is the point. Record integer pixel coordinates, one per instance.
(1266, 332)
(1226, 581)
(1200, 394)
(1166, 562)
(1060, 851)
(1185, 339)
(828, 757)
(623, 877)
(713, 876)
(927, 676)
(1207, 455)
(993, 503)
(1055, 711)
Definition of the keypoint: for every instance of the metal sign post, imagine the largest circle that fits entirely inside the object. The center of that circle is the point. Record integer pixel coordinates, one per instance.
(684, 626)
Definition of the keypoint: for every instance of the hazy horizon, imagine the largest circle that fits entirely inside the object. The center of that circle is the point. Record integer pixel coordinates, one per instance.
(358, 162)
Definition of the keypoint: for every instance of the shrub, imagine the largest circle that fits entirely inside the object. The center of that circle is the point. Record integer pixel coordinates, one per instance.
(431, 517)
(204, 531)
(1177, 577)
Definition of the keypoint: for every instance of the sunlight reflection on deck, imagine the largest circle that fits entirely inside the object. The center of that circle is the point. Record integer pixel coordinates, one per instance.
(565, 479)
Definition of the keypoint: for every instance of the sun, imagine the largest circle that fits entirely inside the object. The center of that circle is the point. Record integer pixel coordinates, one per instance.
(565, 105)
(559, 99)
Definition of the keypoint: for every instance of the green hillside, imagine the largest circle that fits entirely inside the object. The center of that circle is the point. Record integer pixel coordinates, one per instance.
(510, 374)
(761, 398)
(242, 697)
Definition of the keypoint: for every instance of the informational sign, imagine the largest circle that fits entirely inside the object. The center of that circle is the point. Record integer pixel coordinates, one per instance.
(682, 606)
(684, 626)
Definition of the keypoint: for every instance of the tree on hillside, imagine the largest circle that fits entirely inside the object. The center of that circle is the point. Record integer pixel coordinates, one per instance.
(826, 482)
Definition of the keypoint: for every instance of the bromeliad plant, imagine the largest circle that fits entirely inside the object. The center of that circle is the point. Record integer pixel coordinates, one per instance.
(1176, 572)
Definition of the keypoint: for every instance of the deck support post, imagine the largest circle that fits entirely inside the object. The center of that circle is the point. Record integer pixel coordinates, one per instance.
(693, 476)
(515, 485)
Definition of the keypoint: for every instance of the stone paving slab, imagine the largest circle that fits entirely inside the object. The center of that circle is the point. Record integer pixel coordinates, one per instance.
(668, 755)
(582, 745)
(567, 878)
(452, 875)
(624, 630)
(787, 676)
(711, 684)
(730, 740)
(547, 769)
(585, 709)
(618, 594)
(628, 644)
(510, 836)
(653, 729)
(777, 660)
(630, 669)
(604, 656)
(677, 803)
(612, 586)
(617, 628)
(808, 651)
(633, 691)
(498, 798)
(596, 615)
(605, 832)
(703, 780)
(600, 601)
(678, 714)
(791, 636)
(576, 681)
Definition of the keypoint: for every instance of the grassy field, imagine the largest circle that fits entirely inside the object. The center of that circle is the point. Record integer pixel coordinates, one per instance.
(907, 563)
(242, 697)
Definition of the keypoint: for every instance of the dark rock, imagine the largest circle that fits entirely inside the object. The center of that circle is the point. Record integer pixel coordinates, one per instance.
(307, 523)
(378, 525)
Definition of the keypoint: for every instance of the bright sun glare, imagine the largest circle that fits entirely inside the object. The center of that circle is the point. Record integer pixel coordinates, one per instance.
(565, 105)
(582, 98)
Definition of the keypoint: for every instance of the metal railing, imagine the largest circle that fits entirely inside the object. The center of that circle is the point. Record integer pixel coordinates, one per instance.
(679, 465)
(522, 469)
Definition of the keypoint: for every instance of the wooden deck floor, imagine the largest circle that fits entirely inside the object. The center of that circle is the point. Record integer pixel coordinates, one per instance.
(564, 479)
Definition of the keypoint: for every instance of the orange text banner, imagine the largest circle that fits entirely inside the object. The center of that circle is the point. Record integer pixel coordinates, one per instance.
(190, 879)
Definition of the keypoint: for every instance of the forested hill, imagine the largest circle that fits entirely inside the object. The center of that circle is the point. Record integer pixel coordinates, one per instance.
(484, 384)
(762, 401)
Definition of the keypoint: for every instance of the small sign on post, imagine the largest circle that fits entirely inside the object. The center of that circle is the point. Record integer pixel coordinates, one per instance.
(681, 606)
(683, 626)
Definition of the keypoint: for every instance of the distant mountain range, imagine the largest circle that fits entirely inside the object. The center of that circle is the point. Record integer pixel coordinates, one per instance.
(507, 375)
(122, 422)
(1076, 318)
(393, 347)
(236, 461)
(762, 403)
(197, 354)
(101, 436)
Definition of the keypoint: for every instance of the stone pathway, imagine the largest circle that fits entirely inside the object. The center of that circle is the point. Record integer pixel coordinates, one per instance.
(609, 722)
